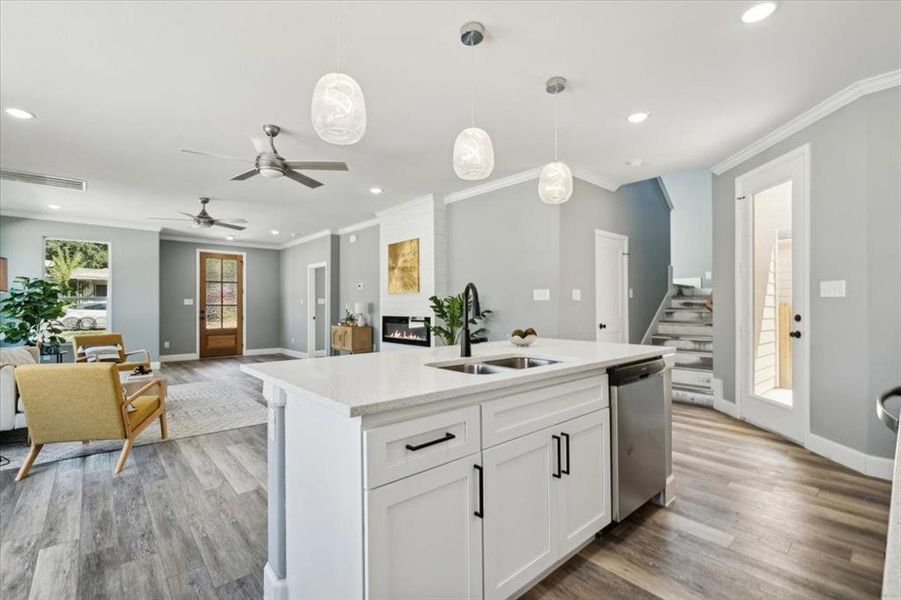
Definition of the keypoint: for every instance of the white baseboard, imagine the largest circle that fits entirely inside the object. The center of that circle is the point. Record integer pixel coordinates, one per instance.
(874, 466)
(273, 587)
(294, 353)
(319, 353)
(726, 407)
(177, 357)
(258, 351)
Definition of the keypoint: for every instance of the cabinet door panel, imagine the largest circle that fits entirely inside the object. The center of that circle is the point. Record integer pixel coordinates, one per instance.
(520, 512)
(585, 491)
(422, 536)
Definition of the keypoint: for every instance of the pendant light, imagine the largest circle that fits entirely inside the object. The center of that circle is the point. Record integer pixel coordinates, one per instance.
(555, 185)
(473, 152)
(339, 109)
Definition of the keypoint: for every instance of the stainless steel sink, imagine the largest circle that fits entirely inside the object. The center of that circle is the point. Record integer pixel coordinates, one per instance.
(520, 362)
(497, 365)
(475, 368)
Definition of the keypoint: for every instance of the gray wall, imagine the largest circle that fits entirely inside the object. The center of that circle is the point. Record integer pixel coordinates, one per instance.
(508, 242)
(855, 222)
(360, 265)
(691, 193)
(293, 288)
(134, 270)
(178, 280)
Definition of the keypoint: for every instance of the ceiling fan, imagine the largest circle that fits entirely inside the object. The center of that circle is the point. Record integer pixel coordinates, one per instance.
(203, 219)
(269, 163)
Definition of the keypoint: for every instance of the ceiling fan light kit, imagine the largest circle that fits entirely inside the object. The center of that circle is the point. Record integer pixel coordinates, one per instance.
(473, 150)
(555, 184)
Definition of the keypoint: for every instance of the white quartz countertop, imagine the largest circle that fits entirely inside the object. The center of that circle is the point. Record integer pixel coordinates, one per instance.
(365, 384)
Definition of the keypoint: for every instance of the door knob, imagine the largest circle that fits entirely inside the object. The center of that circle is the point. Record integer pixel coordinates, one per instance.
(602, 326)
(795, 334)
(797, 318)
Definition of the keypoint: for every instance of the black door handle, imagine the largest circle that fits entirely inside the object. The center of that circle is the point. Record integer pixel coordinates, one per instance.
(795, 334)
(481, 512)
(602, 326)
(566, 470)
(447, 437)
(797, 318)
(557, 442)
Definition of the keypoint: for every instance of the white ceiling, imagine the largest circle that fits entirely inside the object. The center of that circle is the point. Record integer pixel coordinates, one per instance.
(119, 87)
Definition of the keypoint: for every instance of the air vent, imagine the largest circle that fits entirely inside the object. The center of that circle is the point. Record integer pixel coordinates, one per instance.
(36, 178)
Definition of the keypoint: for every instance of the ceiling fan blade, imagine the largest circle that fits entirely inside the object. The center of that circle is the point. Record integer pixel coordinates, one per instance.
(227, 220)
(303, 179)
(246, 175)
(221, 224)
(260, 145)
(186, 214)
(167, 219)
(222, 156)
(317, 165)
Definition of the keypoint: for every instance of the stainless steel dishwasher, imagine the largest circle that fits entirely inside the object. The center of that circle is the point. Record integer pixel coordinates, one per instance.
(638, 434)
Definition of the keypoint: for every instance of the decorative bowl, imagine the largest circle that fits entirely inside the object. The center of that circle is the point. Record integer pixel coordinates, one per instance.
(526, 341)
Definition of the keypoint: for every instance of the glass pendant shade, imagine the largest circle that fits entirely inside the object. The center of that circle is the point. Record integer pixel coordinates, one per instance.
(339, 109)
(555, 185)
(473, 154)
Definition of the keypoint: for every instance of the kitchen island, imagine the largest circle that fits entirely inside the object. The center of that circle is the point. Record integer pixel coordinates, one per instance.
(419, 473)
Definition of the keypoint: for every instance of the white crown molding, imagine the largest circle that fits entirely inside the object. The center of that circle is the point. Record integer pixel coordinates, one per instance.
(406, 205)
(80, 220)
(358, 226)
(305, 239)
(214, 242)
(826, 107)
(665, 192)
(491, 186)
(594, 178)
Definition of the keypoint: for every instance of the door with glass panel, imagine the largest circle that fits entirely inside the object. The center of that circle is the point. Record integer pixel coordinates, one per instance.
(221, 304)
(771, 294)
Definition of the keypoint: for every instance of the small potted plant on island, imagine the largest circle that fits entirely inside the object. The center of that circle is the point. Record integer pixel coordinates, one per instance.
(450, 311)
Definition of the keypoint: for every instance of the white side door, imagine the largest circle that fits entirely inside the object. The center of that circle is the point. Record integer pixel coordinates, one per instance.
(611, 265)
(585, 502)
(520, 525)
(424, 539)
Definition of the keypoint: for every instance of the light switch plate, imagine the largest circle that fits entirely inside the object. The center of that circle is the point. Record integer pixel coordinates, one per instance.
(577, 294)
(832, 289)
(541, 295)
(165, 344)
(320, 301)
(708, 276)
(631, 294)
(353, 238)
(189, 301)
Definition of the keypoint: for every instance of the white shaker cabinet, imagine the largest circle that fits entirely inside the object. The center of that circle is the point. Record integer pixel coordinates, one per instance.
(423, 537)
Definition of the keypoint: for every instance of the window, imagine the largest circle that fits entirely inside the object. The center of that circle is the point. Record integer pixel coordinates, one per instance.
(82, 268)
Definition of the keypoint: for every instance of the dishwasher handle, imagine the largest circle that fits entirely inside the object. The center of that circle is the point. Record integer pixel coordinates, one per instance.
(631, 373)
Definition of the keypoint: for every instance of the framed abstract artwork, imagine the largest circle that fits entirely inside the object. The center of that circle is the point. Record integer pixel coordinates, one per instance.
(403, 267)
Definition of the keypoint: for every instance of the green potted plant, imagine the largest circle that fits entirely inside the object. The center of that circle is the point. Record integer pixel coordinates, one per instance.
(450, 311)
(30, 313)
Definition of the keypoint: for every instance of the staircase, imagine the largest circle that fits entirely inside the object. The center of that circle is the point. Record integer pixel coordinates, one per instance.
(687, 326)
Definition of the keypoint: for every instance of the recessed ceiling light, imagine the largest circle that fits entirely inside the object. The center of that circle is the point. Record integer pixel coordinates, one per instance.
(293, 234)
(229, 237)
(274, 231)
(375, 190)
(19, 113)
(638, 117)
(635, 162)
(758, 12)
(54, 206)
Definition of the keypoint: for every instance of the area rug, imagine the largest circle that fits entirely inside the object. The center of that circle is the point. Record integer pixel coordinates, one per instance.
(192, 409)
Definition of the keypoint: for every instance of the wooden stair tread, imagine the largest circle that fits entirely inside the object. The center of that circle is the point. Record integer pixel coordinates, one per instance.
(687, 368)
(688, 337)
(704, 322)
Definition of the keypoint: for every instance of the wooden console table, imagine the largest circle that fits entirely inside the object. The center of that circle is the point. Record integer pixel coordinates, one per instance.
(355, 340)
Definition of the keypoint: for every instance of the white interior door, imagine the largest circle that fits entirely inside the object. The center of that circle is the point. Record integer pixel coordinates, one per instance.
(772, 287)
(318, 317)
(611, 264)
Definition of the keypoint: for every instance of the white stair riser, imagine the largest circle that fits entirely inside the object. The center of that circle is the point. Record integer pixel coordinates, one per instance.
(692, 360)
(692, 397)
(684, 329)
(683, 344)
(690, 315)
(699, 378)
(677, 301)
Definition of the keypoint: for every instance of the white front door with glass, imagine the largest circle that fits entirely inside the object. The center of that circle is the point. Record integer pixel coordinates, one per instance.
(771, 294)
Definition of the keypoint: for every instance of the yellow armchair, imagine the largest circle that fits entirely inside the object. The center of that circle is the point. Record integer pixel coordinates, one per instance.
(70, 403)
(83, 345)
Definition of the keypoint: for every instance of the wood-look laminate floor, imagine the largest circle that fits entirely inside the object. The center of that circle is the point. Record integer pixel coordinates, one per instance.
(755, 517)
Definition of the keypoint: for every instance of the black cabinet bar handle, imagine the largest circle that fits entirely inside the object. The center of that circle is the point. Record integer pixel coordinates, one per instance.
(557, 442)
(566, 470)
(447, 437)
(481, 512)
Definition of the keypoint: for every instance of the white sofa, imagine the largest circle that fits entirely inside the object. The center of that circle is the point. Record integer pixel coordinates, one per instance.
(12, 412)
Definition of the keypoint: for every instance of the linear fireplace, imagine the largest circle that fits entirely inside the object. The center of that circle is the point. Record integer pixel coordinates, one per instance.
(407, 330)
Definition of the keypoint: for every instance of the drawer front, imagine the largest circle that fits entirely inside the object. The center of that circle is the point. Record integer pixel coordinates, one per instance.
(397, 450)
(513, 416)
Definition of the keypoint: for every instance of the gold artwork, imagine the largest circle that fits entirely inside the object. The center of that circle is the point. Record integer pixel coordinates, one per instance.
(403, 267)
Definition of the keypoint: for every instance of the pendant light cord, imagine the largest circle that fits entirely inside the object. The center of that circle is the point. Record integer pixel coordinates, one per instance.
(472, 84)
(338, 32)
(555, 126)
